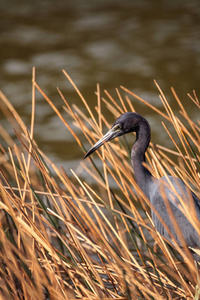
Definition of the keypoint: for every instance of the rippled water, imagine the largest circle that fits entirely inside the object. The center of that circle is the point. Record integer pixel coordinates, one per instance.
(115, 43)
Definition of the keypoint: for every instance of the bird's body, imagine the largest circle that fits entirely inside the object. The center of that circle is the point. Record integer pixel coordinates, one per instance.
(158, 201)
(164, 193)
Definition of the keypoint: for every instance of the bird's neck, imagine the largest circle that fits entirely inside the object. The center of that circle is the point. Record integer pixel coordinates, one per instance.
(142, 175)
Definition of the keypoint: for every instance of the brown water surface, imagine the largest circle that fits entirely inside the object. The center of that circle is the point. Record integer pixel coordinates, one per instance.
(114, 43)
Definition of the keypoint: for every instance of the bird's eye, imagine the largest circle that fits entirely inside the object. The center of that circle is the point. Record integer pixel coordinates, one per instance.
(118, 127)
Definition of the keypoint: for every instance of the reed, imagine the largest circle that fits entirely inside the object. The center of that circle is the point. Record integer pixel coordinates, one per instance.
(62, 238)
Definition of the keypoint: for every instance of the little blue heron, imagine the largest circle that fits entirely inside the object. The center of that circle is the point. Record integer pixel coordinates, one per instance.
(158, 191)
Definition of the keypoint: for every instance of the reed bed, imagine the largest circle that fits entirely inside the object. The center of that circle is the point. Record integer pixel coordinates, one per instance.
(92, 237)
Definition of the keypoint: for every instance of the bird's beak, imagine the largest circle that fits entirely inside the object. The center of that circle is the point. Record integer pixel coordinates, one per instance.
(110, 135)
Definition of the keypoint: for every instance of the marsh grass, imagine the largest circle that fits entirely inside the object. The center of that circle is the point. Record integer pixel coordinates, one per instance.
(62, 239)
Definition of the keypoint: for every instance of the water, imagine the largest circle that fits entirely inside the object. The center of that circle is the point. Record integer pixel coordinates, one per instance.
(115, 43)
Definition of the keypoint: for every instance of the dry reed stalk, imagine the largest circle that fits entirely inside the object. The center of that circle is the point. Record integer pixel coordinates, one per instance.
(62, 239)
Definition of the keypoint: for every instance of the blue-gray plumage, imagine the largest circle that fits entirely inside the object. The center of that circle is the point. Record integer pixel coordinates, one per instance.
(162, 196)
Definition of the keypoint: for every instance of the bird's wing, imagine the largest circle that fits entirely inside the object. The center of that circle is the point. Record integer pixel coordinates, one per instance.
(170, 203)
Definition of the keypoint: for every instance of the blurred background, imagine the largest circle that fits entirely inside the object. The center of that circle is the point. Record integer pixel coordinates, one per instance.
(113, 43)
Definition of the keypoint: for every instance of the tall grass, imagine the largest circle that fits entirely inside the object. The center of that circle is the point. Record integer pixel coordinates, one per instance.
(92, 237)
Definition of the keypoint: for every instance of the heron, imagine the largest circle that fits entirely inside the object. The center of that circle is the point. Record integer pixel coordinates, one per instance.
(157, 190)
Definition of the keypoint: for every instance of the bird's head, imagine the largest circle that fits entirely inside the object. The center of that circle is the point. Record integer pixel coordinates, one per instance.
(127, 122)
